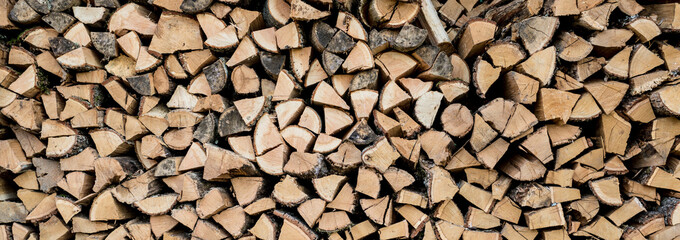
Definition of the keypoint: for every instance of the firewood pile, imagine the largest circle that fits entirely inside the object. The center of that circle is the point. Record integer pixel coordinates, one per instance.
(339, 119)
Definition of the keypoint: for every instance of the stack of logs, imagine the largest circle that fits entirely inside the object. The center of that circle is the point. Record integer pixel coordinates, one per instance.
(339, 119)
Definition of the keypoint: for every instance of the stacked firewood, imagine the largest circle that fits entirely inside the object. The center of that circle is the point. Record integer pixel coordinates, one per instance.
(339, 119)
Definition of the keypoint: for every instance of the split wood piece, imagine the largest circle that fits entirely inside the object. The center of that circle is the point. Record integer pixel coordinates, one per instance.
(246, 21)
(311, 210)
(429, 19)
(363, 102)
(194, 61)
(555, 104)
(392, 97)
(47, 62)
(78, 34)
(22, 58)
(398, 178)
(132, 17)
(286, 87)
(474, 38)
(361, 133)
(414, 86)
(569, 152)
(293, 228)
(615, 132)
(266, 135)
(289, 193)
(265, 227)
(426, 108)
(462, 159)
(82, 59)
(336, 120)
(27, 113)
(572, 47)
(157, 205)
(138, 188)
(536, 32)
(398, 230)
(31, 145)
(482, 134)
(65, 146)
(345, 200)
(659, 178)
(370, 180)
(78, 184)
(395, 65)
(505, 54)
(484, 76)
(531, 194)
(391, 13)
(348, 157)
(305, 165)
(234, 220)
(587, 67)
(545, 217)
(610, 40)
(110, 170)
(608, 94)
(224, 40)
(450, 12)
(603, 228)
(520, 88)
(476, 196)
(359, 59)
(334, 221)
(164, 40)
(328, 186)
(476, 218)
(326, 144)
(628, 210)
(535, 66)
(266, 39)
(325, 95)
(273, 161)
(647, 82)
(670, 55)
(645, 29)
(643, 60)
(437, 145)
(105, 207)
(301, 11)
(618, 65)
(247, 189)
(523, 168)
(289, 36)
(586, 108)
(596, 18)
(378, 210)
(223, 164)
(607, 191)
(381, 155)
(490, 155)
(663, 100)
(244, 79)
(386, 125)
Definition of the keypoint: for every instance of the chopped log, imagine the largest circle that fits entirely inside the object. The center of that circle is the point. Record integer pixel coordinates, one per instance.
(382, 13)
(164, 41)
(535, 65)
(545, 217)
